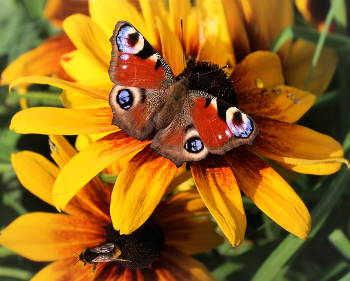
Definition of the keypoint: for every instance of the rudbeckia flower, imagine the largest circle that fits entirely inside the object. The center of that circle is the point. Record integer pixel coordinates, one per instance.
(314, 12)
(254, 25)
(260, 91)
(163, 243)
(46, 58)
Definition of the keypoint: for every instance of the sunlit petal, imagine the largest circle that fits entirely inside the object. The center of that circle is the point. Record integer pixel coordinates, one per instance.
(89, 39)
(26, 164)
(139, 189)
(269, 192)
(297, 145)
(89, 162)
(41, 243)
(62, 121)
(220, 192)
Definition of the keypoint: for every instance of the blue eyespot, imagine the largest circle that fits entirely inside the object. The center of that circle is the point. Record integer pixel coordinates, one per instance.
(194, 145)
(125, 99)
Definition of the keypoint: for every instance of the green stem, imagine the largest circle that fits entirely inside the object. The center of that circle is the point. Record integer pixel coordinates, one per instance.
(320, 43)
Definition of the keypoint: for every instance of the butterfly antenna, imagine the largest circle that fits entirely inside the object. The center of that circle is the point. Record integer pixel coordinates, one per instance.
(183, 47)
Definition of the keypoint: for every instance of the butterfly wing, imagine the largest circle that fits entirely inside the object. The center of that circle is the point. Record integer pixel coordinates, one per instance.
(142, 79)
(204, 124)
(135, 63)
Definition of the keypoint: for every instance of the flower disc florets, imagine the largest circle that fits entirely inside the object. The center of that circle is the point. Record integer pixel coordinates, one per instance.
(141, 248)
(208, 77)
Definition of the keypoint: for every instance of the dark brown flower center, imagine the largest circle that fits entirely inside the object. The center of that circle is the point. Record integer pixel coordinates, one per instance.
(139, 249)
(208, 77)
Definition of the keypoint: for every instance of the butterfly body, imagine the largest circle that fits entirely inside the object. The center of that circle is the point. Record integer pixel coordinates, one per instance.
(184, 114)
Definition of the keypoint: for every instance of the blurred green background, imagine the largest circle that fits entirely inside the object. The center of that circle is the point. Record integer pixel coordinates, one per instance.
(269, 252)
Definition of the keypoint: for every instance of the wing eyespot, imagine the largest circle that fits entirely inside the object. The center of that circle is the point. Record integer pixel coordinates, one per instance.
(194, 145)
(125, 99)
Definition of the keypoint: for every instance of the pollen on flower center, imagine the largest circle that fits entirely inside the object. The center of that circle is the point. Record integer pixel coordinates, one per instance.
(208, 77)
(139, 249)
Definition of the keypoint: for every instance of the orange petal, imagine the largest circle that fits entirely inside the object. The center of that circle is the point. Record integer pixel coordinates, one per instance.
(89, 162)
(175, 265)
(182, 175)
(57, 11)
(175, 216)
(297, 145)
(27, 164)
(284, 103)
(171, 47)
(183, 206)
(59, 235)
(62, 121)
(219, 190)
(192, 237)
(62, 270)
(236, 28)
(258, 70)
(269, 192)
(139, 189)
(65, 85)
(43, 60)
(89, 39)
(297, 69)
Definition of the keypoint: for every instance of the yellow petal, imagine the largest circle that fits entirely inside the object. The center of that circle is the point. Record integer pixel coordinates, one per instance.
(50, 237)
(171, 47)
(78, 101)
(89, 162)
(79, 68)
(43, 60)
(62, 270)
(219, 190)
(27, 164)
(284, 103)
(269, 192)
(175, 265)
(297, 145)
(62, 121)
(57, 11)
(297, 69)
(139, 189)
(191, 33)
(236, 28)
(61, 150)
(83, 141)
(65, 85)
(106, 14)
(214, 25)
(178, 10)
(182, 175)
(258, 70)
(89, 39)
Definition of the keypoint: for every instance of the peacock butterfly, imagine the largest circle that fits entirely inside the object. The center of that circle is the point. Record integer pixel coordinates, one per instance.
(184, 113)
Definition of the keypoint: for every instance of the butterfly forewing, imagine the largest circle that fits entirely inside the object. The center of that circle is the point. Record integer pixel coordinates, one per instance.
(135, 63)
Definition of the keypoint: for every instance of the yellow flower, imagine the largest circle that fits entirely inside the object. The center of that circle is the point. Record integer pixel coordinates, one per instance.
(315, 12)
(260, 90)
(54, 237)
(254, 25)
(46, 58)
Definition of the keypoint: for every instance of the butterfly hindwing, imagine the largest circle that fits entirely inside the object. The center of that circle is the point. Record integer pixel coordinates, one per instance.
(135, 63)
(134, 109)
(220, 125)
(204, 124)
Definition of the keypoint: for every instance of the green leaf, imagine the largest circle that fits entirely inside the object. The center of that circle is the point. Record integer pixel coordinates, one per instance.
(341, 242)
(108, 178)
(15, 273)
(291, 244)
